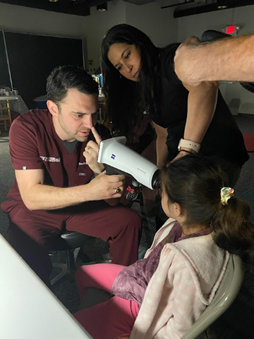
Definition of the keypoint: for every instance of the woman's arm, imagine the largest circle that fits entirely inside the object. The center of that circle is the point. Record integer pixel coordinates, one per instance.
(201, 102)
(200, 111)
(161, 147)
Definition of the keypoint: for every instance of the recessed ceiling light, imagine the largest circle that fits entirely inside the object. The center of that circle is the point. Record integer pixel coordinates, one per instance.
(53, 0)
(222, 7)
(102, 7)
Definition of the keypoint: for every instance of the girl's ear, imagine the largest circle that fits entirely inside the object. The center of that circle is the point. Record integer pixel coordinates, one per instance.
(178, 210)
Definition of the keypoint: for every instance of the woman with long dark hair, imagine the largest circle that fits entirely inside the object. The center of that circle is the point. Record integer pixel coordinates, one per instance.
(140, 85)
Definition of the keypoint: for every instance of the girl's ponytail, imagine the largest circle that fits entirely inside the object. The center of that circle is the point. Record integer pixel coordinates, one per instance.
(232, 229)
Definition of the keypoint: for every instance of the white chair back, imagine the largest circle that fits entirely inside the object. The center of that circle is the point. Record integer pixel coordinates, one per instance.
(225, 295)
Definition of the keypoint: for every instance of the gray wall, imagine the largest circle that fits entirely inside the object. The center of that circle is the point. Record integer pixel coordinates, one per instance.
(158, 23)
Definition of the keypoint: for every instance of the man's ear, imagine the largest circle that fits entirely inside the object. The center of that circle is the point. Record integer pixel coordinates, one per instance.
(52, 107)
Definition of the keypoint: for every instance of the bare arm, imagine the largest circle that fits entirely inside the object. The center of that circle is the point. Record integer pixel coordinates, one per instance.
(228, 59)
(161, 147)
(201, 106)
(37, 196)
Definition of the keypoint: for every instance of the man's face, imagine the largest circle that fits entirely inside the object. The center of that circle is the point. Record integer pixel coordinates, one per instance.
(75, 115)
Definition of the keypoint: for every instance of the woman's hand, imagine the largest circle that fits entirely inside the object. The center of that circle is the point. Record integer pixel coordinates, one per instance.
(91, 153)
(181, 154)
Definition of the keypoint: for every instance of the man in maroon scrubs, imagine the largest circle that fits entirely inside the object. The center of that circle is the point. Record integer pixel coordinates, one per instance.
(59, 184)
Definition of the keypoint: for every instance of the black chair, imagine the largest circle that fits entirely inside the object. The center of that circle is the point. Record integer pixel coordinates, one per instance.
(68, 242)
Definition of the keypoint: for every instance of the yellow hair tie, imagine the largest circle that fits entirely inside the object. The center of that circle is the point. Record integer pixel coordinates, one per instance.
(226, 193)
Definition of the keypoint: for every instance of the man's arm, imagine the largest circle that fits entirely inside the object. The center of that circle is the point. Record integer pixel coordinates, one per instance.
(37, 196)
(226, 59)
(91, 154)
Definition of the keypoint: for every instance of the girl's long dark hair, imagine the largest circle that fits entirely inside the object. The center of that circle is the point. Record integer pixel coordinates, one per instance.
(127, 100)
(195, 183)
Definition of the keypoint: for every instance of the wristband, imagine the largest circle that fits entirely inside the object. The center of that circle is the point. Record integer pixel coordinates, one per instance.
(95, 174)
(189, 144)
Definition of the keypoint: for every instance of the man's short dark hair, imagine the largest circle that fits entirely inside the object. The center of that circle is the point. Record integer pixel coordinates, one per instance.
(63, 78)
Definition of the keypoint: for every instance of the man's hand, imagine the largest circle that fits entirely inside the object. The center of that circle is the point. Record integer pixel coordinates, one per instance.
(91, 153)
(184, 61)
(104, 187)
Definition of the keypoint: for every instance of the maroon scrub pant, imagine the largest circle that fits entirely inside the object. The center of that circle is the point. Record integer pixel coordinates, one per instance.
(32, 232)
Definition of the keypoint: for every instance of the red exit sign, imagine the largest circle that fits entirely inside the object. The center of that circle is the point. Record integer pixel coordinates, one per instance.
(232, 29)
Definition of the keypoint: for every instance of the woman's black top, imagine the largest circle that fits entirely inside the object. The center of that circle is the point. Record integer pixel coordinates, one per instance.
(223, 138)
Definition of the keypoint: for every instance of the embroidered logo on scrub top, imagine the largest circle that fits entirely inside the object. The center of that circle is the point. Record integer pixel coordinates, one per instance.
(50, 159)
(81, 173)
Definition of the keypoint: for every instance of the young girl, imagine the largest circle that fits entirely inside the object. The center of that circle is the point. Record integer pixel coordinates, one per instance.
(163, 294)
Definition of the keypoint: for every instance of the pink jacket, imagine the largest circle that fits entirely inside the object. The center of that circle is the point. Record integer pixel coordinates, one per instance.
(184, 284)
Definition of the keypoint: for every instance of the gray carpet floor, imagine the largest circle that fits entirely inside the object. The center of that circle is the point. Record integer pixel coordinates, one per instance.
(236, 323)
